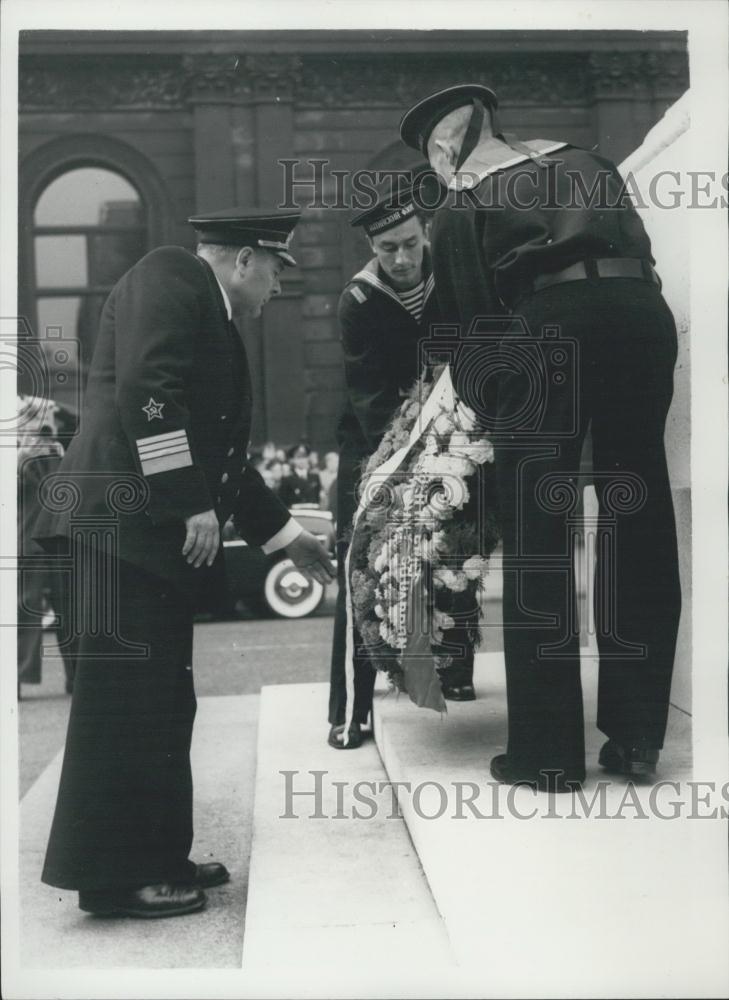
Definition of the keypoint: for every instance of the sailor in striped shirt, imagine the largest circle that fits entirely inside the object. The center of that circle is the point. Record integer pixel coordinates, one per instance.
(385, 313)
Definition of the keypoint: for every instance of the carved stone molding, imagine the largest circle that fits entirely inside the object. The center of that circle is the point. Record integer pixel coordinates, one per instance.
(638, 74)
(400, 80)
(91, 84)
(84, 83)
(616, 74)
(272, 77)
(210, 77)
(668, 73)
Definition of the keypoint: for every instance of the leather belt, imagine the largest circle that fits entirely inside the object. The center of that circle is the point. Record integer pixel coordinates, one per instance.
(605, 267)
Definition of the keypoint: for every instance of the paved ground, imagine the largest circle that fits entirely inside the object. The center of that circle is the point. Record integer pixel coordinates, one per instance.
(230, 658)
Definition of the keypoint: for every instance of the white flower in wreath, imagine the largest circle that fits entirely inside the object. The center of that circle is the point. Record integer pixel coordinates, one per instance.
(408, 497)
(431, 445)
(446, 464)
(379, 611)
(381, 560)
(475, 566)
(454, 580)
(477, 450)
(443, 423)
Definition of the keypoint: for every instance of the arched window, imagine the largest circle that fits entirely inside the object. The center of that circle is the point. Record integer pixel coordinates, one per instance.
(89, 226)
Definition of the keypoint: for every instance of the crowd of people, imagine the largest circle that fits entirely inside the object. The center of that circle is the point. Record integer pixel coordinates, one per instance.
(298, 475)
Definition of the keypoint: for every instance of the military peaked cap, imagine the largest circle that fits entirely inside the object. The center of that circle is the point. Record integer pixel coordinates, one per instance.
(248, 227)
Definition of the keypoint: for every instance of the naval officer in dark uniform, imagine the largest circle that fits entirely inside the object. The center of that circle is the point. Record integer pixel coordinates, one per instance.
(158, 467)
(545, 231)
(385, 311)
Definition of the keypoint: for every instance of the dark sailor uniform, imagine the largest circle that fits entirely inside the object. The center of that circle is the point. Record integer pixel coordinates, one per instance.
(598, 346)
(382, 360)
(163, 435)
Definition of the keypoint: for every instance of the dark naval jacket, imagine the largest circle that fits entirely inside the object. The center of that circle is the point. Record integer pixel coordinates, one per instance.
(164, 429)
(514, 219)
(381, 348)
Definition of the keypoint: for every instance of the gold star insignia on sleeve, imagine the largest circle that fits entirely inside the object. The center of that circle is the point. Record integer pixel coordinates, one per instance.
(153, 410)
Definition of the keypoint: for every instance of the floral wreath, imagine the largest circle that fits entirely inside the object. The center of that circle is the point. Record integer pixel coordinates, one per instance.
(421, 541)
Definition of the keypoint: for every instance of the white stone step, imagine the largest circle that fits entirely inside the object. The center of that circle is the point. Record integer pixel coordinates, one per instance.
(330, 893)
(555, 906)
(55, 934)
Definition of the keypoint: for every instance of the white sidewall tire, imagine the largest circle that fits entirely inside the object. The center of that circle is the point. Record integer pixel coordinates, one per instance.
(275, 586)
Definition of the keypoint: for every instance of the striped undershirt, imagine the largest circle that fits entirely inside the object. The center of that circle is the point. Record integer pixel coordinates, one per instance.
(412, 299)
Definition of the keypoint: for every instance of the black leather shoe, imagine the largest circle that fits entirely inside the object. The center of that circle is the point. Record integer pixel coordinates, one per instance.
(546, 780)
(633, 762)
(161, 900)
(336, 737)
(210, 874)
(458, 692)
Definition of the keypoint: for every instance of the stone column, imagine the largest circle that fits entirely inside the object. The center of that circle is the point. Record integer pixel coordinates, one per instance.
(264, 135)
(621, 96)
(211, 84)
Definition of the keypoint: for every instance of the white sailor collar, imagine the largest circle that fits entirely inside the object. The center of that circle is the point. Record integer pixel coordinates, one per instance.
(491, 156)
(371, 276)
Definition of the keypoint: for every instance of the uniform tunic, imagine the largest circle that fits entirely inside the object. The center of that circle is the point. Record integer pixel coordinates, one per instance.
(165, 427)
(163, 435)
(613, 372)
(381, 344)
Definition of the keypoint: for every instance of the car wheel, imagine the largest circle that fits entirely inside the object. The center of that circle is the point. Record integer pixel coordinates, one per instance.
(289, 593)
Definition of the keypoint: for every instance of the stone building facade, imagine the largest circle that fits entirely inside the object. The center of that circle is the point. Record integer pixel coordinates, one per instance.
(197, 121)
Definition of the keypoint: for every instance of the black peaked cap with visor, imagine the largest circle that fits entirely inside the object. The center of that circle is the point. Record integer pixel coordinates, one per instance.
(248, 228)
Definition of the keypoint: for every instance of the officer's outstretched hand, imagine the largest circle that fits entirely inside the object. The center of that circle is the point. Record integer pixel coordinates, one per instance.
(311, 557)
(203, 538)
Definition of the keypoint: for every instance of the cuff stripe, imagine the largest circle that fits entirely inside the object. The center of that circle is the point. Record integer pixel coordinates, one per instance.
(166, 463)
(163, 450)
(157, 439)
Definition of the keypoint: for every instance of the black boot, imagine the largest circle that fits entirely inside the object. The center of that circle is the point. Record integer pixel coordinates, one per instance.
(544, 779)
(632, 761)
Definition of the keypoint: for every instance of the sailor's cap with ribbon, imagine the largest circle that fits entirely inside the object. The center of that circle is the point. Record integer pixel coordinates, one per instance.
(394, 205)
(417, 123)
(248, 227)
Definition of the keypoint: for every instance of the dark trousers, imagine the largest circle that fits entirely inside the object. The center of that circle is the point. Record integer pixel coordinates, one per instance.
(348, 477)
(364, 672)
(123, 816)
(618, 378)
